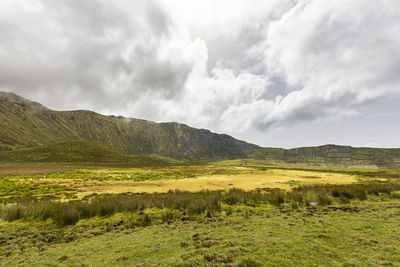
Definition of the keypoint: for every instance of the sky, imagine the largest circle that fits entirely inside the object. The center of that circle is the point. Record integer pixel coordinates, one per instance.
(279, 73)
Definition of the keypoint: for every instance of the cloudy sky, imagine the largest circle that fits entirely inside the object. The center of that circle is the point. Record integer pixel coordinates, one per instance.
(276, 73)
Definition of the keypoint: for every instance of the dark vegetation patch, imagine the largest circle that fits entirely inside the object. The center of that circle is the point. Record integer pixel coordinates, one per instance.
(206, 203)
(351, 191)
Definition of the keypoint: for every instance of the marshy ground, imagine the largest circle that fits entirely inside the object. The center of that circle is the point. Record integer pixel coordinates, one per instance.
(211, 214)
(78, 181)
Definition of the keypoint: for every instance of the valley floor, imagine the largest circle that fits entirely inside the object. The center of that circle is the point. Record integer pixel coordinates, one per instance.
(68, 181)
(313, 217)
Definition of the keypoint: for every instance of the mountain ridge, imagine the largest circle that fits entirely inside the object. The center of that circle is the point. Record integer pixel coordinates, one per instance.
(24, 124)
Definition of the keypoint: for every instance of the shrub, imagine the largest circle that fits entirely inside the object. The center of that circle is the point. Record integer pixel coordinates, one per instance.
(351, 191)
(13, 213)
(295, 197)
(67, 216)
(230, 200)
(335, 193)
(344, 200)
(167, 216)
(360, 194)
(229, 211)
(105, 208)
(324, 200)
(347, 194)
(143, 220)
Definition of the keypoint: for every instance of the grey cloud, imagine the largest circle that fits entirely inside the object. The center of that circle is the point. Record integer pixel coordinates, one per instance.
(338, 58)
(78, 48)
(251, 68)
(159, 19)
(232, 54)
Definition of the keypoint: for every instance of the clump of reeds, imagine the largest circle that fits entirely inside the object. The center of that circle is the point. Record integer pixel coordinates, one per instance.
(205, 202)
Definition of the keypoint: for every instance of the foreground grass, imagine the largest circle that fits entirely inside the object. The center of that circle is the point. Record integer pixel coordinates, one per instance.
(357, 234)
(313, 224)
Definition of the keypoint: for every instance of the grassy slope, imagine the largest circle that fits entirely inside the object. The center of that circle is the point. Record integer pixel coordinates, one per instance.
(26, 124)
(78, 151)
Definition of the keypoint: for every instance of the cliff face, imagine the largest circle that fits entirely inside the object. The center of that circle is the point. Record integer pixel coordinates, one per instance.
(25, 124)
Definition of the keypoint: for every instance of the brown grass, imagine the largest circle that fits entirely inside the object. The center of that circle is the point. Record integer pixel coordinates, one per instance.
(283, 179)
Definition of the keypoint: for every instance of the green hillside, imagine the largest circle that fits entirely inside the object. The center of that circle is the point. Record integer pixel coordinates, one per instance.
(25, 124)
(79, 151)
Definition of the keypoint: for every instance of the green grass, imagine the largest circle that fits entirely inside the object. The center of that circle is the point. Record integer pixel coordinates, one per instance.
(360, 234)
(204, 202)
(12, 189)
(314, 225)
(138, 174)
(78, 151)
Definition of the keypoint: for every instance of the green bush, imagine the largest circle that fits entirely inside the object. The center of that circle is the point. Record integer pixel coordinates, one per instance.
(324, 200)
(167, 216)
(231, 200)
(361, 195)
(144, 220)
(347, 194)
(13, 213)
(68, 216)
(344, 200)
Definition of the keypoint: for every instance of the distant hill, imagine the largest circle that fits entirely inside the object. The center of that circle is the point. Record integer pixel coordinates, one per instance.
(332, 156)
(25, 124)
(335, 155)
(77, 151)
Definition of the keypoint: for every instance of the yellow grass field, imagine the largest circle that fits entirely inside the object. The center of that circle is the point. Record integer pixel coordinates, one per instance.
(86, 180)
(284, 179)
